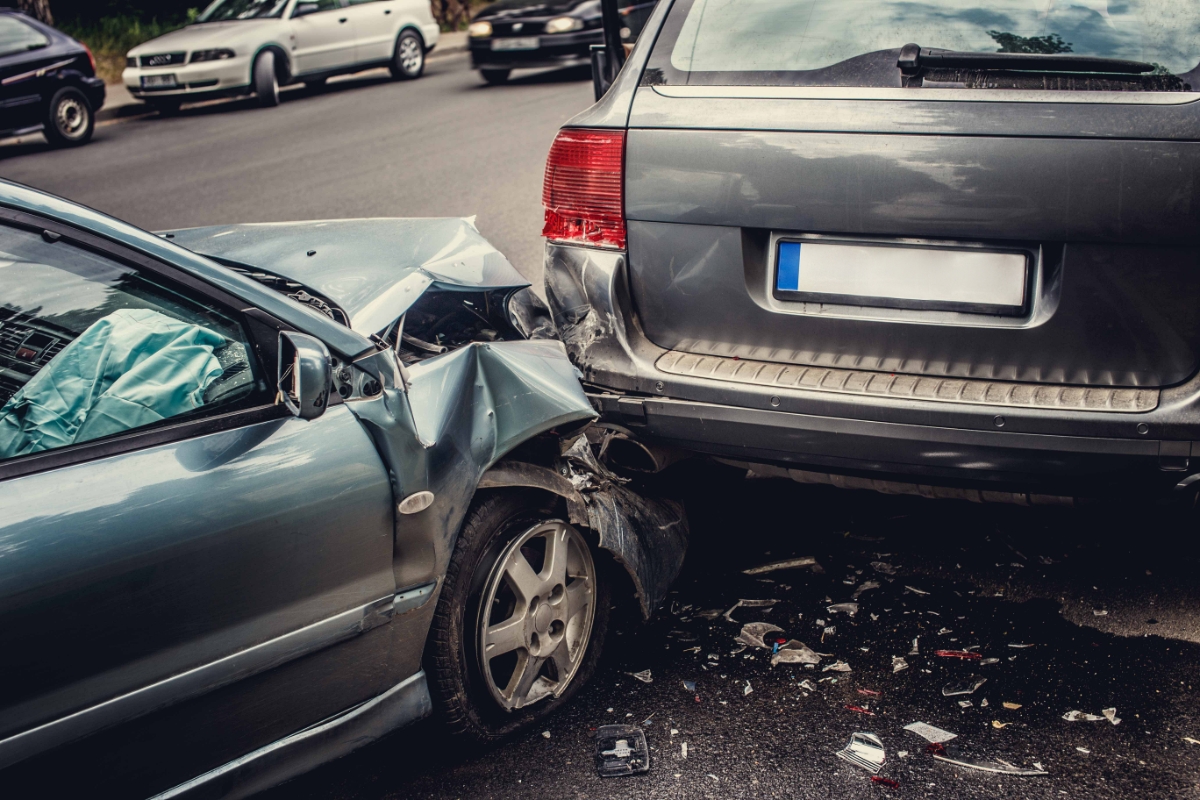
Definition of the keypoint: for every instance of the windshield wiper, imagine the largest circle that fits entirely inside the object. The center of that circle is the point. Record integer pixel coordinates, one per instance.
(913, 58)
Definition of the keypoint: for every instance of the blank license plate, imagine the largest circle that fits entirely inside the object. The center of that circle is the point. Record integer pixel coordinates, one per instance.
(158, 81)
(935, 278)
(516, 43)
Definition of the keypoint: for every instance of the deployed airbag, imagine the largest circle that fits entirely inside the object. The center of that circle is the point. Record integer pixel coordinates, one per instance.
(131, 368)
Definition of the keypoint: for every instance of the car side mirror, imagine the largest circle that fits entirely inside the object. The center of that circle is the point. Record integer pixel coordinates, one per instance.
(305, 8)
(305, 374)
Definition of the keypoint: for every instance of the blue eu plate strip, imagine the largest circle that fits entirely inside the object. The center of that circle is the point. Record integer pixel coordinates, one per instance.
(787, 271)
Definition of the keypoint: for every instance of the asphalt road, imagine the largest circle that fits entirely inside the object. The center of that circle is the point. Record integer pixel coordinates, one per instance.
(1107, 600)
(444, 145)
(1102, 603)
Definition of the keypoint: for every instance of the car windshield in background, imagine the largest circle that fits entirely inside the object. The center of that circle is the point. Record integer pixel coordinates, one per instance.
(223, 10)
(857, 42)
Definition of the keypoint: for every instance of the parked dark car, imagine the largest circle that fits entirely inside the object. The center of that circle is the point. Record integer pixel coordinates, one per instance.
(48, 82)
(262, 505)
(520, 34)
(942, 248)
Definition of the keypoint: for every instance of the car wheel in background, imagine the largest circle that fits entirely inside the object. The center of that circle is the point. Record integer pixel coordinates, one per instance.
(495, 77)
(408, 61)
(69, 121)
(266, 79)
(165, 108)
(520, 620)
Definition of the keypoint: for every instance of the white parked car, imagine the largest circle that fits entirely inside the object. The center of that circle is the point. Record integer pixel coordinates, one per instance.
(255, 46)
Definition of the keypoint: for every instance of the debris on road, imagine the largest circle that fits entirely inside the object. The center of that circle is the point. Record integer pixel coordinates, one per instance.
(865, 586)
(1017, 646)
(747, 689)
(1080, 716)
(861, 710)
(916, 651)
(1190, 740)
(791, 563)
(643, 676)
(752, 634)
(883, 567)
(870, 693)
(1084, 750)
(864, 750)
(849, 609)
(689, 685)
(621, 750)
(915, 590)
(967, 686)
(1110, 714)
(930, 733)
(748, 604)
(952, 755)
(1011, 706)
(888, 782)
(898, 664)
(794, 652)
(837, 666)
(998, 725)
(683, 750)
(963, 654)
(545, 734)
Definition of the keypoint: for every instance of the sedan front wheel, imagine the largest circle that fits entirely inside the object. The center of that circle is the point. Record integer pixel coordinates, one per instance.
(408, 61)
(520, 621)
(70, 121)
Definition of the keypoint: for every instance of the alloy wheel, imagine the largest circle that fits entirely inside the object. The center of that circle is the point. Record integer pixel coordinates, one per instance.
(536, 615)
(71, 117)
(410, 55)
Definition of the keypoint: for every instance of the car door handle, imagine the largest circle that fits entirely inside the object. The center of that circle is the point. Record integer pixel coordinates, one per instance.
(387, 11)
(343, 19)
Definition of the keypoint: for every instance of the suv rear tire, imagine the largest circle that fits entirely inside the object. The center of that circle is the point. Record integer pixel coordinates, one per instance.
(515, 530)
(266, 80)
(70, 120)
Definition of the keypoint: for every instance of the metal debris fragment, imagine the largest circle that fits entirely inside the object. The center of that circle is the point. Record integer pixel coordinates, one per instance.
(1018, 646)
(747, 689)
(930, 733)
(837, 666)
(748, 604)
(643, 676)
(621, 750)
(998, 725)
(1110, 714)
(883, 567)
(791, 563)
(795, 652)
(952, 755)
(916, 651)
(865, 586)
(849, 609)
(915, 590)
(752, 634)
(864, 750)
(1011, 706)
(1080, 716)
(966, 686)
(898, 664)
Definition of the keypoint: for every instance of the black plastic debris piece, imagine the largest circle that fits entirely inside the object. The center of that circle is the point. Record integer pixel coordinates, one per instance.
(966, 686)
(951, 754)
(621, 750)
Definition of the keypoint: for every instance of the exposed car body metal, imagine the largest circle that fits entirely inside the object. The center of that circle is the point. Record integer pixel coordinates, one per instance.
(1096, 391)
(435, 425)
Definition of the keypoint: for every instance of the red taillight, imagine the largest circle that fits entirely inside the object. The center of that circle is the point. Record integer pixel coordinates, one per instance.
(91, 57)
(584, 190)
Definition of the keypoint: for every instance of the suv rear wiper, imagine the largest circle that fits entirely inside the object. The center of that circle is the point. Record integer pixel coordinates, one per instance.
(913, 58)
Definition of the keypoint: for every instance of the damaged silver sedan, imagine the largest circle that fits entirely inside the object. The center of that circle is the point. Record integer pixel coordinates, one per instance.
(268, 492)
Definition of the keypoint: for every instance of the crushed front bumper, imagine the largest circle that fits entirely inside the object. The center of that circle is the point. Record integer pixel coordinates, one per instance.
(1064, 450)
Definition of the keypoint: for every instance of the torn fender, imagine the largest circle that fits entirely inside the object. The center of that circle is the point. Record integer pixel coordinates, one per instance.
(646, 535)
(462, 412)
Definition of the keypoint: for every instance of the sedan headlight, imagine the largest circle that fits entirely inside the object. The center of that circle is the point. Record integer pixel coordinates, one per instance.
(564, 24)
(220, 54)
(480, 29)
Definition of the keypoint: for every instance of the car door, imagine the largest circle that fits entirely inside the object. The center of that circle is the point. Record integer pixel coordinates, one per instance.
(165, 529)
(323, 38)
(375, 24)
(22, 57)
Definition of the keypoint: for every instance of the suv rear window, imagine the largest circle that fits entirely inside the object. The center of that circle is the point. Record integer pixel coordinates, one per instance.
(857, 42)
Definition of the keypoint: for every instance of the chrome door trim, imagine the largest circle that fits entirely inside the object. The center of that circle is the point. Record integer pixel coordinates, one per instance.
(196, 681)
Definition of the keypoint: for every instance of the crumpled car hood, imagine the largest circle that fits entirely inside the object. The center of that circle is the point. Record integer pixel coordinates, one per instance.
(374, 269)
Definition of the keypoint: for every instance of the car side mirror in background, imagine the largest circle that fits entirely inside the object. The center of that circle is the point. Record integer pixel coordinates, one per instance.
(305, 8)
(607, 59)
(305, 374)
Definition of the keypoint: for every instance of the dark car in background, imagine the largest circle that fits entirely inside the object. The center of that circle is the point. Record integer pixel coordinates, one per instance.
(945, 248)
(48, 82)
(524, 34)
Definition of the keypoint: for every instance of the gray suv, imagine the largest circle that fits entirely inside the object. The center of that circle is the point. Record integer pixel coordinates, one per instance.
(948, 248)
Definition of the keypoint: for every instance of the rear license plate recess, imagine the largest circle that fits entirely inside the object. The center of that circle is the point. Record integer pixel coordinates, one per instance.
(976, 280)
(516, 43)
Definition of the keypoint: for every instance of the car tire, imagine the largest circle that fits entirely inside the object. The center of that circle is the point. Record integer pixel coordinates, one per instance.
(495, 77)
(408, 58)
(266, 80)
(70, 120)
(166, 108)
(478, 592)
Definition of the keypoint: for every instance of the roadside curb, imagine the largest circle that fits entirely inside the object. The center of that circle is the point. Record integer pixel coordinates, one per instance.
(450, 44)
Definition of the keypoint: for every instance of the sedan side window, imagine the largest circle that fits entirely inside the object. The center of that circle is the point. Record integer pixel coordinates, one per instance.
(91, 347)
(17, 37)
